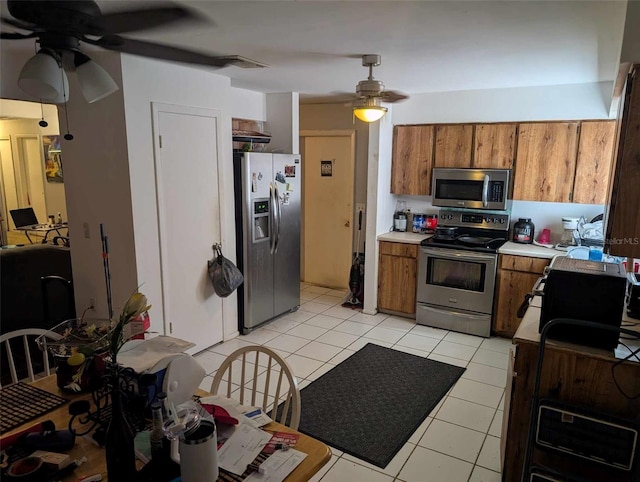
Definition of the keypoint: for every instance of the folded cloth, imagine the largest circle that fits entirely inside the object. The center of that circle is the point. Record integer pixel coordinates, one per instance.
(220, 414)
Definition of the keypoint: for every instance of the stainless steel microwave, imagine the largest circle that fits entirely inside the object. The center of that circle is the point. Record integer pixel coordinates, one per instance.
(471, 188)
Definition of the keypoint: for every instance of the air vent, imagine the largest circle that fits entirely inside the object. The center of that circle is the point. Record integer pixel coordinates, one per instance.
(244, 63)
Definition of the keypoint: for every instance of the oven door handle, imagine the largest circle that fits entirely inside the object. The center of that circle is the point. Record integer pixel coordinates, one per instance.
(449, 312)
(485, 191)
(458, 255)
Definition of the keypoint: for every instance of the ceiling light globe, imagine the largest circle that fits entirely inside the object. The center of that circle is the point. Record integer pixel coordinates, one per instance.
(95, 82)
(369, 113)
(43, 77)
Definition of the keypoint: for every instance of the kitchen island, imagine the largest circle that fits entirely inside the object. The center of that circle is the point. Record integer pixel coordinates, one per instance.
(578, 375)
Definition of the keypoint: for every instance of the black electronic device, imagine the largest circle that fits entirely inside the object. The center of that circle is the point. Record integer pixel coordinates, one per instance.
(584, 290)
(587, 434)
(633, 295)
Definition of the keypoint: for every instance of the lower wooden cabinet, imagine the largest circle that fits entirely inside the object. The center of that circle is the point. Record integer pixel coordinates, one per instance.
(516, 277)
(397, 274)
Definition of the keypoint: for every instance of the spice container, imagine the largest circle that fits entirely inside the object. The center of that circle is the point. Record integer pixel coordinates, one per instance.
(523, 231)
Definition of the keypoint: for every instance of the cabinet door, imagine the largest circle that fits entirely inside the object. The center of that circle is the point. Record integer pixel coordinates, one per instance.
(397, 284)
(546, 161)
(494, 146)
(453, 145)
(512, 286)
(623, 225)
(593, 166)
(412, 160)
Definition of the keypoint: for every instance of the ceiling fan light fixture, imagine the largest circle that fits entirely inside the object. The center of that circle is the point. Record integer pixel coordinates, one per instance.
(42, 76)
(369, 111)
(95, 82)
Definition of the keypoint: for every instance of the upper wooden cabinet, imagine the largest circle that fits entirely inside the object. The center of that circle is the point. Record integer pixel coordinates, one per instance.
(494, 146)
(546, 161)
(453, 145)
(593, 167)
(412, 160)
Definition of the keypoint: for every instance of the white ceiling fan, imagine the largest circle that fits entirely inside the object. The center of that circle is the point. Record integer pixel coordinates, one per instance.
(370, 92)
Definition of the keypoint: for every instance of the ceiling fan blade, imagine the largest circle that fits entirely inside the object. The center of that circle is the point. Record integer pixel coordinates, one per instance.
(142, 19)
(16, 36)
(392, 96)
(158, 51)
(19, 24)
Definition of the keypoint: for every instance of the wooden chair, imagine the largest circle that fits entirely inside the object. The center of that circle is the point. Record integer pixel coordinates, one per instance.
(28, 335)
(266, 377)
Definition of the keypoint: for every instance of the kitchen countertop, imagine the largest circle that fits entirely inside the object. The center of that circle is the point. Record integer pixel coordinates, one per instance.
(403, 237)
(528, 333)
(531, 250)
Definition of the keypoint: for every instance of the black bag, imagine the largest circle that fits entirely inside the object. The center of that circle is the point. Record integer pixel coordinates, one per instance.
(225, 276)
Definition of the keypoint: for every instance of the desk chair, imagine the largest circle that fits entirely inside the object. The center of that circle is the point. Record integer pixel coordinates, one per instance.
(270, 384)
(23, 355)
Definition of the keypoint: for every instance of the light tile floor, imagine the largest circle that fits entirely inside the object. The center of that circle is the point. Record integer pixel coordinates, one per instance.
(460, 439)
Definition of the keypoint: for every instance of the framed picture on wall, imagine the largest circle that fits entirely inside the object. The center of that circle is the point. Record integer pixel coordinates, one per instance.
(52, 158)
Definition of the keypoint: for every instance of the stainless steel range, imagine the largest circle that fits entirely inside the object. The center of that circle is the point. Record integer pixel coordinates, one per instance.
(457, 271)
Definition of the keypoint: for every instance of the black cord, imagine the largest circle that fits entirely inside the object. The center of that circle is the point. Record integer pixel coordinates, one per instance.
(613, 367)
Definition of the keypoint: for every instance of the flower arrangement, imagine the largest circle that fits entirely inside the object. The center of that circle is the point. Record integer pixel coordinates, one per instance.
(82, 344)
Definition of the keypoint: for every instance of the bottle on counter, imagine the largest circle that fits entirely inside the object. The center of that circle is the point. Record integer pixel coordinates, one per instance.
(156, 437)
(523, 231)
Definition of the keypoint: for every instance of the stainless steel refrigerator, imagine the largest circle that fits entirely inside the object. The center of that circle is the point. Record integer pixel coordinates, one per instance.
(267, 200)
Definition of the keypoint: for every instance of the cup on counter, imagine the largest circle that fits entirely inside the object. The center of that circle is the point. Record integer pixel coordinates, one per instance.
(545, 236)
(595, 253)
(431, 221)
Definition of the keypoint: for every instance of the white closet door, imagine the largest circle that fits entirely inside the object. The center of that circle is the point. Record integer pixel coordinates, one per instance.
(189, 220)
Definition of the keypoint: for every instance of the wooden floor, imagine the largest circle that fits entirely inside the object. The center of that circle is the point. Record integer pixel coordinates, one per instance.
(18, 238)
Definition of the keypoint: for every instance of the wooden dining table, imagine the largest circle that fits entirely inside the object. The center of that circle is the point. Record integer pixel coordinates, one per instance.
(318, 454)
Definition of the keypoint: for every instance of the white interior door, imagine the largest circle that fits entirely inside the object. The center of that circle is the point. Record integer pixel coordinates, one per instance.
(328, 172)
(31, 187)
(8, 184)
(189, 220)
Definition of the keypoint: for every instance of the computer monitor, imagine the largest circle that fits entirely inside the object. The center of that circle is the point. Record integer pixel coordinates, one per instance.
(23, 217)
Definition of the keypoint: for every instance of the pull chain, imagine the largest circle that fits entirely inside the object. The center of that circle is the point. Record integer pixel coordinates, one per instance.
(42, 123)
(68, 136)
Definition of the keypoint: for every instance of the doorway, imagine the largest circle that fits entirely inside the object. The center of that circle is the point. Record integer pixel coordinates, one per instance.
(328, 193)
(186, 163)
(22, 181)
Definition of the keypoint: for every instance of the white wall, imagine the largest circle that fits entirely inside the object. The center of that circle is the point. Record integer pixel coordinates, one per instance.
(147, 81)
(283, 122)
(96, 170)
(556, 102)
(248, 104)
(18, 109)
(380, 203)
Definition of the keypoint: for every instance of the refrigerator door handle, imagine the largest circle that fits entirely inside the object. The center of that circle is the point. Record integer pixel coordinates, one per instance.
(272, 218)
(278, 216)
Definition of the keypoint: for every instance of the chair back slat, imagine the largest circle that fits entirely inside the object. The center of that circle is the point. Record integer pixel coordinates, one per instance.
(26, 335)
(276, 366)
(12, 365)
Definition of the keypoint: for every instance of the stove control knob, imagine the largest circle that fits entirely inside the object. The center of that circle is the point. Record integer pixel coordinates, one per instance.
(450, 216)
(442, 216)
(495, 220)
(487, 220)
(502, 221)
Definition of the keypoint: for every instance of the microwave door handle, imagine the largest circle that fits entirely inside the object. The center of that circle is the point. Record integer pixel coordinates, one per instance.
(485, 191)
